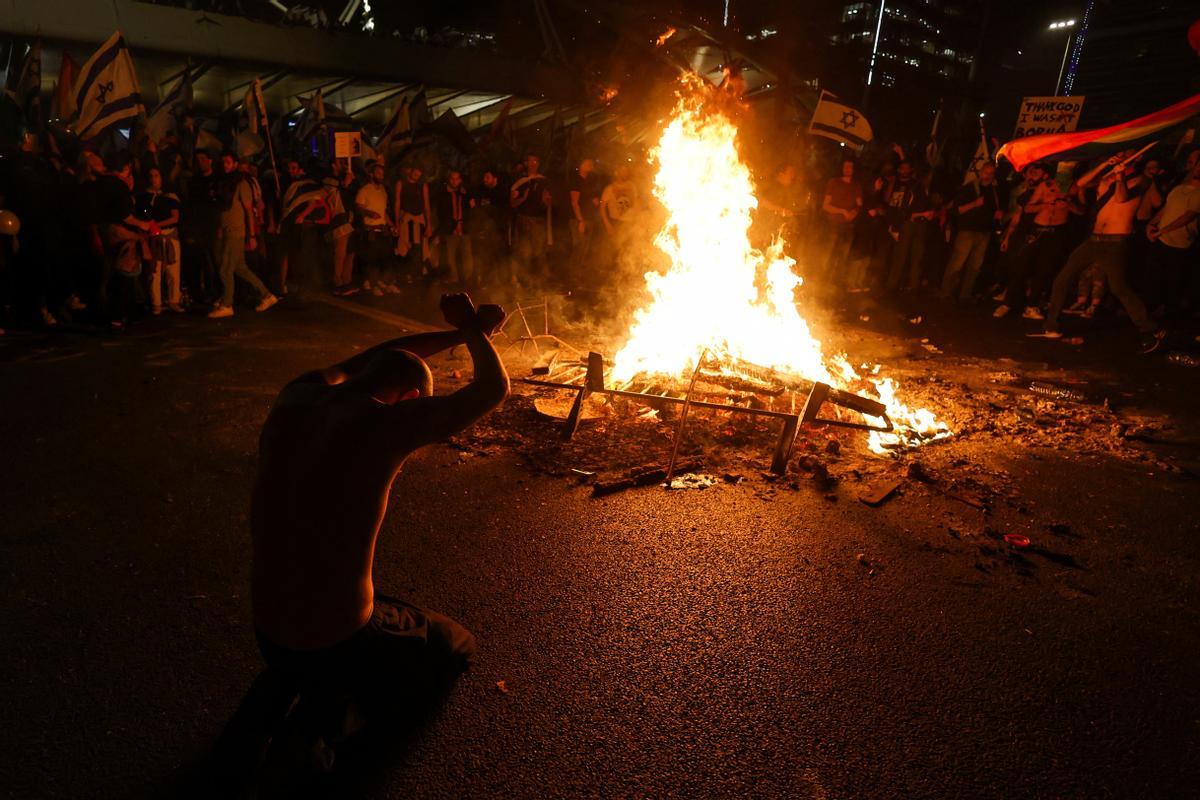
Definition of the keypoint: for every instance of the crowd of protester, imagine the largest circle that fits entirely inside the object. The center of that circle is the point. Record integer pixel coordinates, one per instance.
(1115, 236)
(167, 229)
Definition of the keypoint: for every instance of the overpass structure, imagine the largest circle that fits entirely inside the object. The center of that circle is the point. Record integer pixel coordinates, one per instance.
(366, 75)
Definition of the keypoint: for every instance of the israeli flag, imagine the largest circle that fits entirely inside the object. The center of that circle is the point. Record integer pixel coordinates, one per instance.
(106, 92)
(178, 101)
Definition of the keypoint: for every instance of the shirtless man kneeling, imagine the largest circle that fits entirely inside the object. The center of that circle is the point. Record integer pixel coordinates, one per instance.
(330, 449)
(1107, 248)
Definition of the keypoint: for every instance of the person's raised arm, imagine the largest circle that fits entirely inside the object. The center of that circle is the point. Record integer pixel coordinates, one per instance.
(440, 417)
(1122, 193)
(1089, 177)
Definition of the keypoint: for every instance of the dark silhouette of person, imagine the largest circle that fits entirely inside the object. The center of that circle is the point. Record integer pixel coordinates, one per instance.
(334, 441)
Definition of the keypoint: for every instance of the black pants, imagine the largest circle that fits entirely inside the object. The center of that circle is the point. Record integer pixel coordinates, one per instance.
(398, 637)
(1171, 277)
(376, 255)
(199, 271)
(909, 250)
(305, 244)
(123, 298)
(1034, 264)
(1111, 255)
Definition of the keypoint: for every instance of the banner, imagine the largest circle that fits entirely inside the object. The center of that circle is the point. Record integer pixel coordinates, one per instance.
(1039, 115)
(1081, 145)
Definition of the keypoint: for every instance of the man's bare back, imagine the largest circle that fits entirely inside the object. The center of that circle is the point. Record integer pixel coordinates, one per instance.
(330, 449)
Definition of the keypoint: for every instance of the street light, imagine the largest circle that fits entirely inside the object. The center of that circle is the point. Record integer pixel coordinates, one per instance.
(1063, 24)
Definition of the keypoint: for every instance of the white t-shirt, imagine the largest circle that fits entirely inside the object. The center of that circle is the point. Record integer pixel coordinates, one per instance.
(373, 198)
(1184, 197)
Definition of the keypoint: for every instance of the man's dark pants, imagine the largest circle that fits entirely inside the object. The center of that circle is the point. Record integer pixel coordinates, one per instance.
(1109, 252)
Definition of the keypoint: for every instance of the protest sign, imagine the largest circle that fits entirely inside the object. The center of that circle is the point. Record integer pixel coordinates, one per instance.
(1040, 115)
(347, 144)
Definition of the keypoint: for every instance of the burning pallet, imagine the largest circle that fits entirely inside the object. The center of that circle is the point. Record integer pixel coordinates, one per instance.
(718, 385)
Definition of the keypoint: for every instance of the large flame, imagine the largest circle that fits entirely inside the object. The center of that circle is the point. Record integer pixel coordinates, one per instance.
(720, 294)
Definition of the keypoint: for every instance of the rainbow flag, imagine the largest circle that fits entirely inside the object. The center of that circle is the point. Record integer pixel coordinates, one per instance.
(1082, 145)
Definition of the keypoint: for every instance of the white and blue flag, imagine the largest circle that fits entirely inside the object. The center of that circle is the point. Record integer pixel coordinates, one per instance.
(171, 109)
(106, 92)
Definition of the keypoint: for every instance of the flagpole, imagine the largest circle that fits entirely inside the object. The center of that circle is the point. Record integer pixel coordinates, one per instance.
(260, 100)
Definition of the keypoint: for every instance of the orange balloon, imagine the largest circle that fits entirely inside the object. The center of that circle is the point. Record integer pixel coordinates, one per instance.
(10, 225)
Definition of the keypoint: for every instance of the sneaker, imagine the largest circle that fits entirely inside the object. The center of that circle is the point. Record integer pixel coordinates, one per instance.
(1033, 312)
(1001, 312)
(1153, 341)
(75, 304)
(47, 318)
(1088, 312)
(266, 303)
(156, 310)
(220, 312)
(1045, 335)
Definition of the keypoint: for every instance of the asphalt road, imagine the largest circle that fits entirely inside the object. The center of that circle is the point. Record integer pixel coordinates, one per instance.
(718, 643)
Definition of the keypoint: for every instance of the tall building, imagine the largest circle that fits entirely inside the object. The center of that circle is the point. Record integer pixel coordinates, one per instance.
(901, 52)
(1132, 57)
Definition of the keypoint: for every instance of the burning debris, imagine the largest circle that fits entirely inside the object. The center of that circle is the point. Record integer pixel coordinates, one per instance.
(722, 297)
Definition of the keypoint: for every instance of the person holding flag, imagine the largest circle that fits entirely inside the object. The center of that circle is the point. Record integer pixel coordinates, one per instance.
(1107, 248)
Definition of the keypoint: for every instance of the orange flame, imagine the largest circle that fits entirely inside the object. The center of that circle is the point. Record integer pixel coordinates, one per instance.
(662, 39)
(719, 293)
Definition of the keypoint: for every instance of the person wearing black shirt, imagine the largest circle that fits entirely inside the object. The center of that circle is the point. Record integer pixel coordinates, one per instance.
(584, 189)
(979, 210)
(530, 200)
(453, 202)
(162, 208)
(124, 239)
(200, 218)
(488, 227)
(908, 214)
(411, 211)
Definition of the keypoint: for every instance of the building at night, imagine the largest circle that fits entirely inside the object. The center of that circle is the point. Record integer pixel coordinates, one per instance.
(1132, 57)
(897, 52)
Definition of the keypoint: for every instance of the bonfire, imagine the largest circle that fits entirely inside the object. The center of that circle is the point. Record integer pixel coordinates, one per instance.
(722, 300)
